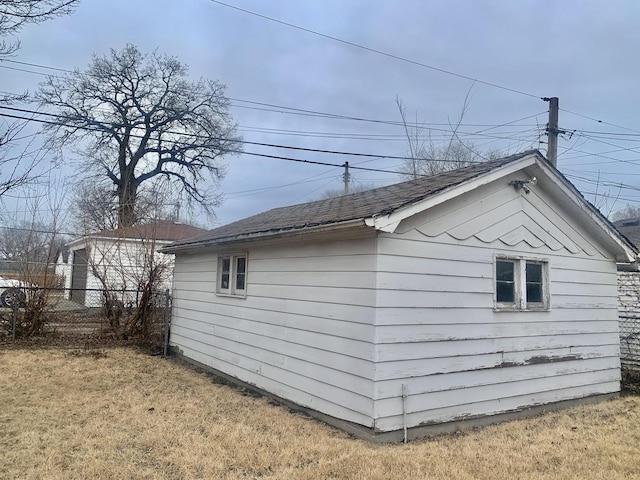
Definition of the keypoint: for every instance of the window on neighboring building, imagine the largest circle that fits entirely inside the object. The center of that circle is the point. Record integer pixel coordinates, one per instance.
(521, 284)
(232, 274)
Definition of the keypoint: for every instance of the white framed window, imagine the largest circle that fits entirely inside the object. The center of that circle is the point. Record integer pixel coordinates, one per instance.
(232, 275)
(521, 284)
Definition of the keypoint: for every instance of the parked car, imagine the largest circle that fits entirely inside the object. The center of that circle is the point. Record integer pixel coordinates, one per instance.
(12, 291)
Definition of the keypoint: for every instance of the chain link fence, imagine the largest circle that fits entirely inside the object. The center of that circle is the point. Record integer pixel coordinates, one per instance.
(629, 319)
(630, 341)
(86, 313)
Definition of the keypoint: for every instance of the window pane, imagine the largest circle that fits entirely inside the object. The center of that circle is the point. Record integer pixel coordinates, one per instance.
(504, 292)
(504, 270)
(534, 293)
(225, 271)
(534, 272)
(226, 265)
(241, 263)
(534, 282)
(241, 268)
(505, 285)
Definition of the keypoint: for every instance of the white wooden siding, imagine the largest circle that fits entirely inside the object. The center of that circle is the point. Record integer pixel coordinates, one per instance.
(120, 262)
(303, 332)
(438, 333)
(341, 326)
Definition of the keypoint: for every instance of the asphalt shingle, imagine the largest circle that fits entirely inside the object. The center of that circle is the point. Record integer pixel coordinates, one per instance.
(160, 230)
(379, 201)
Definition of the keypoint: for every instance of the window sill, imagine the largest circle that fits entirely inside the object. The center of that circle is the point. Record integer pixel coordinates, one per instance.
(514, 309)
(232, 295)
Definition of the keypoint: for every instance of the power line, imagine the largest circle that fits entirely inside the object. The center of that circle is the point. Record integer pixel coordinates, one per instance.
(314, 162)
(314, 113)
(596, 120)
(610, 144)
(36, 230)
(278, 157)
(378, 52)
(37, 65)
(362, 135)
(611, 133)
(246, 142)
(299, 111)
(256, 143)
(600, 172)
(604, 183)
(293, 110)
(283, 108)
(258, 191)
(22, 70)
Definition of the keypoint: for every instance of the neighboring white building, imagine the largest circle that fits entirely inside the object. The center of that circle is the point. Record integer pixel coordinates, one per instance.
(629, 301)
(120, 259)
(476, 292)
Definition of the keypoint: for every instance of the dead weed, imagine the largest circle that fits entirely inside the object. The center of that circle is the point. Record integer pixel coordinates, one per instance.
(119, 413)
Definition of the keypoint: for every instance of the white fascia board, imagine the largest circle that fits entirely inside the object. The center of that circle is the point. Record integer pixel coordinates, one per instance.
(587, 209)
(264, 237)
(389, 223)
(82, 241)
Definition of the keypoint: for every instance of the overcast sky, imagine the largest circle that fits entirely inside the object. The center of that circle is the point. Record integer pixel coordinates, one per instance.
(584, 52)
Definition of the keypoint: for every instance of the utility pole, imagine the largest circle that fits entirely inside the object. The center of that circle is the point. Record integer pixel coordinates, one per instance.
(345, 178)
(552, 131)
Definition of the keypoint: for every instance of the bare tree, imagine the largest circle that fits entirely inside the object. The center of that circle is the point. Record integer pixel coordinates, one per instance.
(136, 118)
(132, 275)
(19, 164)
(95, 206)
(15, 14)
(31, 245)
(427, 157)
(27, 245)
(627, 213)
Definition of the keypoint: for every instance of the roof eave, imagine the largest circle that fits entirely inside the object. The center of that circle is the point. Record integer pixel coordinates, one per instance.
(389, 222)
(626, 252)
(89, 238)
(271, 234)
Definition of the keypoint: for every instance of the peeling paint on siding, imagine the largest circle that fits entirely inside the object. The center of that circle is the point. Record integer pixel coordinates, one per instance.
(541, 359)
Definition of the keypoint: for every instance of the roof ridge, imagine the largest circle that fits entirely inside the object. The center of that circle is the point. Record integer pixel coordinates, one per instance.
(502, 160)
(345, 208)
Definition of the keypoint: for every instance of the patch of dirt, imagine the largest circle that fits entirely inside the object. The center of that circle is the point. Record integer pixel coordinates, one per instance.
(631, 381)
(78, 342)
(88, 353)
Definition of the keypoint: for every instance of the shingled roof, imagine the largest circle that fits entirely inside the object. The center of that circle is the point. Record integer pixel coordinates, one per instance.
(163, 230)
(630, 228)
(361, 205)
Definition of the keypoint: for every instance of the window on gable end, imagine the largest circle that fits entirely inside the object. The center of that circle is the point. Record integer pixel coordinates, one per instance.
(521, 284)
(534, 283)
(505, 281)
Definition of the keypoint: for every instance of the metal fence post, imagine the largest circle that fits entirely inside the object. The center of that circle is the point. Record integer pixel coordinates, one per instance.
(14, 306)
(167, 316)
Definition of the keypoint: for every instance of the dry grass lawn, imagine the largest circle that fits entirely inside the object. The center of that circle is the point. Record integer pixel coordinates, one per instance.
(121, 414)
